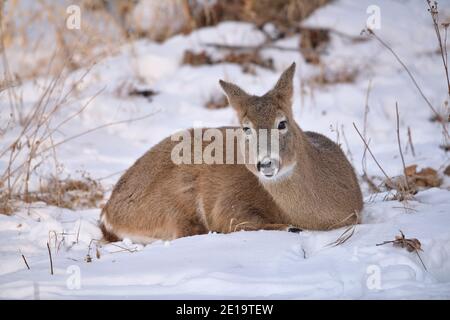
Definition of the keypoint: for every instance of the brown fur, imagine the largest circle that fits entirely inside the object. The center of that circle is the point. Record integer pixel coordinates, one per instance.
(157, 199)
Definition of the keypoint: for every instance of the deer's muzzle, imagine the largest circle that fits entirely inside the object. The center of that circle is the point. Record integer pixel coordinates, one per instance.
(268, 167)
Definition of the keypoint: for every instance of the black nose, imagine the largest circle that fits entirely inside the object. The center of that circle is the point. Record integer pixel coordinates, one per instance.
(266, 164)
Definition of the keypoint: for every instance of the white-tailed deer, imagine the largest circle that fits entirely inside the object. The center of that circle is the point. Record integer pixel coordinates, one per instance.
(307, 184)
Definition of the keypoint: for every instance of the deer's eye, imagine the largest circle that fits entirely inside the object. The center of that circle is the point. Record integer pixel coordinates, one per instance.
(247, 130)
(282, 125)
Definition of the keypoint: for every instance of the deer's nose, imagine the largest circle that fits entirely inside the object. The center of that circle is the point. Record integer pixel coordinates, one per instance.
(265, 163)
(267, 166)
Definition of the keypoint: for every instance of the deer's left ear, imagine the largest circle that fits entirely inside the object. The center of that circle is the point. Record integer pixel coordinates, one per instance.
(284, 88)
(236, 96)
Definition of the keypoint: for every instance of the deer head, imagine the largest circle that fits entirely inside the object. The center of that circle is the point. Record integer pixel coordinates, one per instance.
(272, 112)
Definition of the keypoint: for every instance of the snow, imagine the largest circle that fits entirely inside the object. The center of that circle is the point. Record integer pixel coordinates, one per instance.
(261, 264)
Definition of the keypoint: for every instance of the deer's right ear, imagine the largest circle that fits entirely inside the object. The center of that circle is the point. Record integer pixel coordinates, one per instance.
(234, 94)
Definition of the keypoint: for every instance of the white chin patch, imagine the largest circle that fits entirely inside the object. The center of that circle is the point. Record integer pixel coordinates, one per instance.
(278, 175)
(268, 174)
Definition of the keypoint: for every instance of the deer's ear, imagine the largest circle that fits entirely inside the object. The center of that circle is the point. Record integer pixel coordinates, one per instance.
(234, 94)
(283, 90)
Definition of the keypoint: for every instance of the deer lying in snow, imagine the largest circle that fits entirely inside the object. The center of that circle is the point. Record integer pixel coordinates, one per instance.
(307, 184)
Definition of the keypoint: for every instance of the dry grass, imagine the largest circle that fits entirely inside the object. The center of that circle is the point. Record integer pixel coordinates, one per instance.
(325, 78)
(100, 36)
(69, 193)
(344, 237)
(284, 14)
(447, 171)
(196, 59)
(247, 59)
(348, 232)
(33, 145)
(402, 193)
(407, 184)
(216, 102)
(6, 206)
(331, 77)
(313, 43)
(106, 25)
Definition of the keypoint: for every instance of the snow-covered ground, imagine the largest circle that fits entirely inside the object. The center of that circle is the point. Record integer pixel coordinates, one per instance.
(260, 264)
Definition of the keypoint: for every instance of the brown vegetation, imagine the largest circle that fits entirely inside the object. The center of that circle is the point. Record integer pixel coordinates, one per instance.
(330, 77)
(247, 59)
(313, 42)
(217, 102)
(70, 193)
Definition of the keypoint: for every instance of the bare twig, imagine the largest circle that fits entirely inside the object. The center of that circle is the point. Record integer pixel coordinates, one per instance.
(88, 255)
(98, 128)
(268, 44)
(25, 260)
(347, 234)
(110, 175)
(410, 143)
(124, 248)
(400, 147)
(78, 233)
(438, 116)
(54, 145)
(433, 9)
(349, 152)
(406, 69)
(248, 48)
(366, 108)
(57, 127)
(304, 253)
(372, 186)
(406, 208)
(365, 176)
(50, 257)
(373, 157)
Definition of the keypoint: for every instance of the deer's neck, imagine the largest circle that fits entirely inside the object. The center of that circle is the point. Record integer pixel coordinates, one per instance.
(296, 193)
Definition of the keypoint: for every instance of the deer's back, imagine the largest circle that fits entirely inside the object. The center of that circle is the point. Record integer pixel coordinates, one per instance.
(334, 173)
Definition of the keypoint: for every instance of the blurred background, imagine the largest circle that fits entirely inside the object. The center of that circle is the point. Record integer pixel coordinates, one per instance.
(39, 28)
